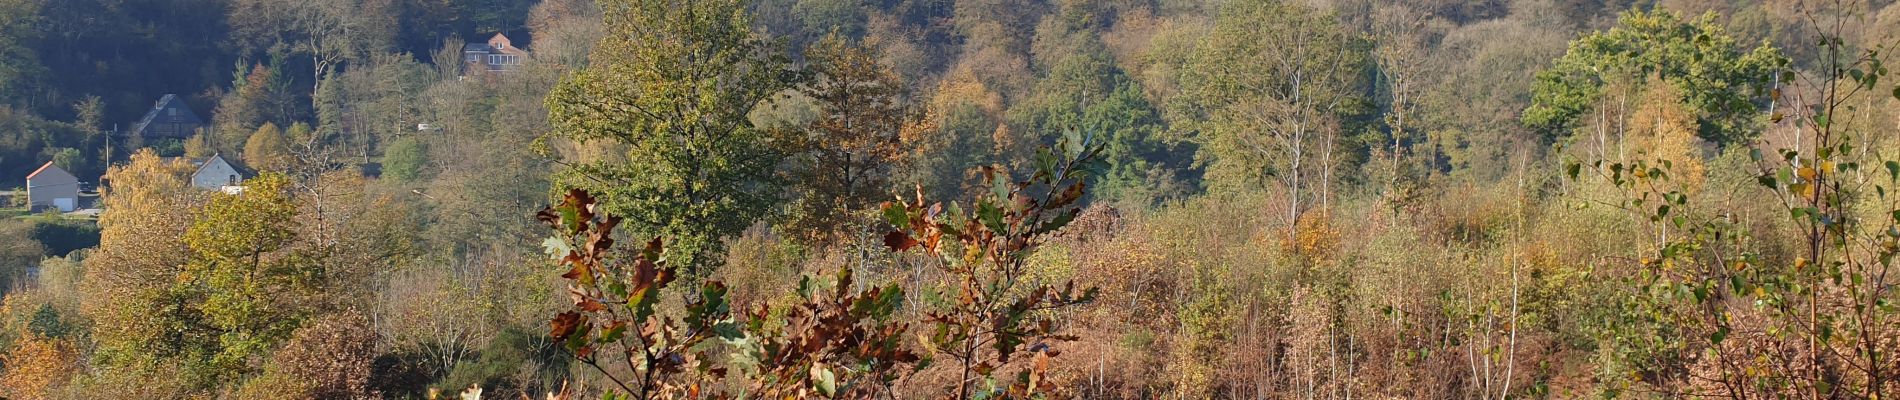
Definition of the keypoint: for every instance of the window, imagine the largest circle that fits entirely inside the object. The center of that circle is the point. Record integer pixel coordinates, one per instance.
(232, 181)
(504, 59)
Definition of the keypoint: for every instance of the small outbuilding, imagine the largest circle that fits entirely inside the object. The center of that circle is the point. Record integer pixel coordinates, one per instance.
(52, 187)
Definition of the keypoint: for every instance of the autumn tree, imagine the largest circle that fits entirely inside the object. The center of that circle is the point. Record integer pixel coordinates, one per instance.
(260, 94)
(843, 344)
(1664, 130)
(1001, 315)
(199, 146)
(563, 31)
(848, 151)
(961, 131)
(206, 287)
(1725, 84)
(245, 281)
(673, 81)
(1805, 313)
(129, 278)
(35, 365)
(375, 99)
(1403, 35)
(267, 149)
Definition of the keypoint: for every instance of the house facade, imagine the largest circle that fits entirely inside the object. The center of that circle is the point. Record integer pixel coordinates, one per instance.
(497, 55)
(216, 173)
(170, 118)
(52, 188)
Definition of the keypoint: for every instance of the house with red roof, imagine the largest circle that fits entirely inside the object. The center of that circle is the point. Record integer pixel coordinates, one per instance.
(496, 55)
(52, 187)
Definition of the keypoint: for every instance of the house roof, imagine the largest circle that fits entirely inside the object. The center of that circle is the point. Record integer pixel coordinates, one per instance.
(507, 46)
(138, 128)
(43, 168)
(201, 163)
(50, 171)
(241, 170)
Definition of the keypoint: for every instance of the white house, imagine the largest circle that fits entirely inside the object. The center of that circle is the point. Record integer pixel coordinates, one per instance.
(216, 173)
(53, 187)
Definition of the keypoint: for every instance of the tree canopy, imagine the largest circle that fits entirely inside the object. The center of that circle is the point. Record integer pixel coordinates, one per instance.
(1727, 85)
(674, 82)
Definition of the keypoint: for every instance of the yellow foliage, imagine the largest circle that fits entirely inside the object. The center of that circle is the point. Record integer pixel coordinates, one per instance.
(1314, 239)
(148, 205)
(35, 366)
(962, 87)
(1664, 130)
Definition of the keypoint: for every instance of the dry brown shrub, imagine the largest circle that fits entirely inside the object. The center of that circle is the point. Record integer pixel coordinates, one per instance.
(330, 356)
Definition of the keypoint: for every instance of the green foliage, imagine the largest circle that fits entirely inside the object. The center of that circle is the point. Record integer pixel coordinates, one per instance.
(17, 30)
(1723, 302)
(1279, 118)
(28, 141)
(497, 368)
(19, 252)
(1726, 85)
(244, 282)
(674, 82)
(168, 147)
(1087, 91)
(839, 17)
(64, 236)
(404, 159)
(69, 159)
(128, 55)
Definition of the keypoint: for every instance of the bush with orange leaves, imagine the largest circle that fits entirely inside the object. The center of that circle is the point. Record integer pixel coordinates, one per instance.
(36, 364)
(995, 315)
(841, 344)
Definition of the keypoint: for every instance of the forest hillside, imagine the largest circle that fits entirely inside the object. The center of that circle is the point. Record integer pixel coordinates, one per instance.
(981, 199)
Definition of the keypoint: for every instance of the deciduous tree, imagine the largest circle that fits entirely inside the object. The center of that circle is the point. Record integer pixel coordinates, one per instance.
(674, 81)
(847, 152)
(1725, 84)
(129, 277)
(267, 149)
(1269, 85)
